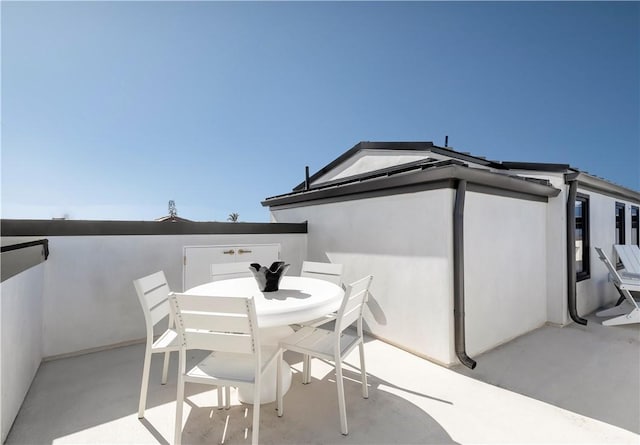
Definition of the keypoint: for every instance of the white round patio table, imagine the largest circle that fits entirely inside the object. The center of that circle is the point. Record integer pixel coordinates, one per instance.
(299, 299)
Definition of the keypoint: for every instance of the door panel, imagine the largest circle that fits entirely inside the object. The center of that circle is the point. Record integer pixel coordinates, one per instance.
(198, 259)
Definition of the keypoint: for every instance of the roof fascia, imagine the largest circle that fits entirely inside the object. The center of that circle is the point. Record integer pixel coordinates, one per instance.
(536, 166)
(592, 183)
(443, 174)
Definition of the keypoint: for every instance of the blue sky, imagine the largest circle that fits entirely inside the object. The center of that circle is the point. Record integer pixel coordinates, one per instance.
(111, 109)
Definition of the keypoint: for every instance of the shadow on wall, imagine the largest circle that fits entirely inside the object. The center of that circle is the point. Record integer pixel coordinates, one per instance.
(376, 311)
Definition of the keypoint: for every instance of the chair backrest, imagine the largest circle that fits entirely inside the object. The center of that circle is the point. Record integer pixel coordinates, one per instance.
(153, 292)
(629, 254)
(226, 271)
(620, 283)
(323, 271)
(212, 323)
(612, 270)
(352, 306)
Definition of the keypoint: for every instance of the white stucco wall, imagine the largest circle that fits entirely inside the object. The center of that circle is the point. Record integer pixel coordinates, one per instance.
(21, 339)
(595, 292)
(556, 249)
(89, 299)
(505, 269)
(598, 291)
(405, 242)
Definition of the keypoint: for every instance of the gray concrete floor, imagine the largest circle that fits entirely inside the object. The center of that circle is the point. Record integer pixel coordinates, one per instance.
(555, 385)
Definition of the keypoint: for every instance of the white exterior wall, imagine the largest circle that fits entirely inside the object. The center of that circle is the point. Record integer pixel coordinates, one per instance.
(405, 242)
(598, 291)
(89, 283)
(556, 249)
(505, 269)
(21, 339)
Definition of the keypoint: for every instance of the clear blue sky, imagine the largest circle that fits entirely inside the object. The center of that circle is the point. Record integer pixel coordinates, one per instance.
(111, 109)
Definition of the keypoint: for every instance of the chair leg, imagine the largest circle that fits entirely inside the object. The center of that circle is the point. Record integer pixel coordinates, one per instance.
(145, 382)
(256, 415)
(165, 367)
(279, 384)
(179, 406)
(227, 394)
(341, 403)
(306, 369)
(365, 388)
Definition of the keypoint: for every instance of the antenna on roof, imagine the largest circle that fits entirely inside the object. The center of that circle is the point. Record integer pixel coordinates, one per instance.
(446, 141)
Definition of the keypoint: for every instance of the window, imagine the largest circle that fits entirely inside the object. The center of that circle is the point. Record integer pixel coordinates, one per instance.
(635, 226)
(619, 228)
(582, 237)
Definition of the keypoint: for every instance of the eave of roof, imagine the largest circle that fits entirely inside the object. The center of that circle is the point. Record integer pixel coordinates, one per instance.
(601, 185)
(417, 174)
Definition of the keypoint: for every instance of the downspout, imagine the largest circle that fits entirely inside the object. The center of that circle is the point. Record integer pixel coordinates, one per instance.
(571, 253)
(458, 276)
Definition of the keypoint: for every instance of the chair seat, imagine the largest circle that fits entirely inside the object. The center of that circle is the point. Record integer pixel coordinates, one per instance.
(318, 342)
(167, 341)
(229, 366)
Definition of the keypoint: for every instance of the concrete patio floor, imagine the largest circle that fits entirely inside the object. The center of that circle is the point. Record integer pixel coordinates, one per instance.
(554, 385)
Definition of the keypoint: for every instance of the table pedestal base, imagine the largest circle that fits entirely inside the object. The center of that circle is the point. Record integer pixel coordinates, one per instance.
(270, 336)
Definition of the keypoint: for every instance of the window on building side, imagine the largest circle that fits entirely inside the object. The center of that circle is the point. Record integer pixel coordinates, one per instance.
(582, 238)
(635, 226)
(619, 229)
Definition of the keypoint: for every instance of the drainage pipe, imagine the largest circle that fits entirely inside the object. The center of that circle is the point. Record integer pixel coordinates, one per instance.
(458, 276)
(571, 253)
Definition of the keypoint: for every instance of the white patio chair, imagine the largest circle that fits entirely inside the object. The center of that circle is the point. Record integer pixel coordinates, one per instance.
(628, 311)
(228, 326)
(331, 272)
(333, 345)
(323, 271)
(226, 271)
(153, 292)
(629, 254)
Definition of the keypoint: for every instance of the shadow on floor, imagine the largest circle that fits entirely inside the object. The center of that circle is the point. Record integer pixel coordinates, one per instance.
(93, 399)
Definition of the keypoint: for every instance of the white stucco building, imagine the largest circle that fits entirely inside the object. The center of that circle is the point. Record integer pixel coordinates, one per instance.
(466, 253)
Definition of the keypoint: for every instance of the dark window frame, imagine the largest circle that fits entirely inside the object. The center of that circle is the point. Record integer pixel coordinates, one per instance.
(635, 223)
(620, 230)
(585, 273)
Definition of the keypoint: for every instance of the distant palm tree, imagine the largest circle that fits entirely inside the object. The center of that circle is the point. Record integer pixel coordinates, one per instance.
(233, 217)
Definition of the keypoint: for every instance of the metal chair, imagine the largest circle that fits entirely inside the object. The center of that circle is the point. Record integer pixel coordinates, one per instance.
(228, 327)
(331, 272)
(333, 345)
(153, 292)
(323, 271)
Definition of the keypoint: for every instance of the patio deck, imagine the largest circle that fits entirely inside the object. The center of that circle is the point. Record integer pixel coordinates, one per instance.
(554, 385)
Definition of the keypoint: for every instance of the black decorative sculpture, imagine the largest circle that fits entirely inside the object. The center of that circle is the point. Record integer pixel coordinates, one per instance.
(269, 278)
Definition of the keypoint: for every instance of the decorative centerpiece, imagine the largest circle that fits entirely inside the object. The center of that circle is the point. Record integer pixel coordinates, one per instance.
(269, 278)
